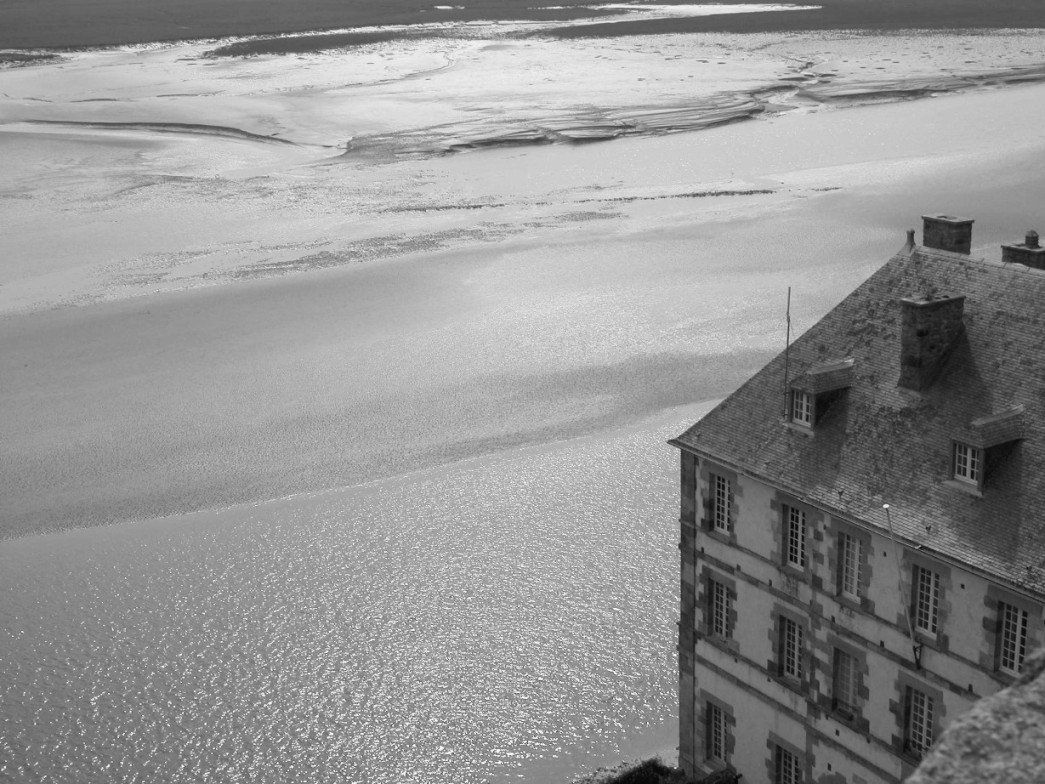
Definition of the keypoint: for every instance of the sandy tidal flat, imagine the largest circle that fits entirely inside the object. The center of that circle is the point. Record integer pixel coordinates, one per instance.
(157, 168)
(229, 279)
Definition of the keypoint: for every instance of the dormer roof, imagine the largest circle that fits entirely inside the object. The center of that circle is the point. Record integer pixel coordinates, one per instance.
(886, 443)
(996, 429)
(825, 377)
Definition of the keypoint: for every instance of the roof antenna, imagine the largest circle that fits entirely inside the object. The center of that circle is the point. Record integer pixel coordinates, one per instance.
(787, 353)
(916, 646)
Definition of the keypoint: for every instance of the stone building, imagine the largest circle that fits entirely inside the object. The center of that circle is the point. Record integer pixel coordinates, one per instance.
(863, 524)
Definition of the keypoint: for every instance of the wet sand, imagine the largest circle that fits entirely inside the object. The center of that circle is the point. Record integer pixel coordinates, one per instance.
(227, 280)
(209, 298)
(343, 158)
(594, 314)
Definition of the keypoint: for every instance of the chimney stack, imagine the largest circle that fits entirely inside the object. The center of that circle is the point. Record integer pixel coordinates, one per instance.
(946, 232)
(929, 329)
(1029, 253)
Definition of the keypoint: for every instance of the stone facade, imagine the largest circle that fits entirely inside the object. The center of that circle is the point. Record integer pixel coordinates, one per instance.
(1029, 252)
(863, 736)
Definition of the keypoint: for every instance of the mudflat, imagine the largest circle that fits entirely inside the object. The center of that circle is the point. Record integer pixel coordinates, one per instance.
(28, 24)
(228, 279)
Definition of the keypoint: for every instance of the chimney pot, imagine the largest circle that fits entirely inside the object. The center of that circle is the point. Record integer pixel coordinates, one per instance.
(1029, 253)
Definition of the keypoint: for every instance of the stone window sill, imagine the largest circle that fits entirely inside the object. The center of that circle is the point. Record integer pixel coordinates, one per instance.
(847, 717)
(797, 686)
(850, 602)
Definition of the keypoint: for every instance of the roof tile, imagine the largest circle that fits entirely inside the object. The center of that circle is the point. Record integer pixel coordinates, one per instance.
(881, 443)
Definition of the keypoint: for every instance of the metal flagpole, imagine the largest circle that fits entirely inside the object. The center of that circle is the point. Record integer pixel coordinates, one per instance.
(787, 353)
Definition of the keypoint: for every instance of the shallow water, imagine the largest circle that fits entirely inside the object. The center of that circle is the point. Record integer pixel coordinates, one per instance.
(505, 619)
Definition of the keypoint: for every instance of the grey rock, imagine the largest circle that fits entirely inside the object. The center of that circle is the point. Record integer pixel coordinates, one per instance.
(1002, 738)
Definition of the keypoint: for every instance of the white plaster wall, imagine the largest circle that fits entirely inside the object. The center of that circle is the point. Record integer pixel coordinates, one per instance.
(753, 623)
(881, 686)
(830, 760)
(885, 586)
(757, 529)
(755, 517)
(967, 611)
(755, 720)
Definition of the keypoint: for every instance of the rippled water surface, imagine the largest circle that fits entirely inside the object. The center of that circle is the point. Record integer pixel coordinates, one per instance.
(504, 619)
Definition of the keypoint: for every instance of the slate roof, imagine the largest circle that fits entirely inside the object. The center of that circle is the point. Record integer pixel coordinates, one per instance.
(880, 443)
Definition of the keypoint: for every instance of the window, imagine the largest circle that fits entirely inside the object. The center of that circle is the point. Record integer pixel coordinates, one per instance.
(926, 598)
(794, 537)
(716, 723)
(919, 730)
(968, 463)
(787, 769)
(801, 408)
(718, 609)
(850, 554)
(721, 503)
(844, 685)
(1012, 638)
(790, 649)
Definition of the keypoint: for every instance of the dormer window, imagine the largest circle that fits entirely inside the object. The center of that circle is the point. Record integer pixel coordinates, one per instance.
(815, 391)
(802, 408)
(981, 448)
(968, 463)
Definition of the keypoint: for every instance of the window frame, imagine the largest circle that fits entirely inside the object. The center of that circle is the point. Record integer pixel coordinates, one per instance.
(925, 600)
(716, 748)
(919, 722)
(802, 408)
(850, 564)
(845, 686)
(795, 520)
(787, 767)
(721, 492)
(718, 608)
(791, 649)
(967, 464)
(1012, 639)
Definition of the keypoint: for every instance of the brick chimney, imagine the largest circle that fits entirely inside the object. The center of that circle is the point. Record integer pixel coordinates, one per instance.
(946, 232)
(1030, 253)
(929, 329)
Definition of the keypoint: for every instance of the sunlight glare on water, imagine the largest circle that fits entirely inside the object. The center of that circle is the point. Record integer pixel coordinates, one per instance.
(458, 624)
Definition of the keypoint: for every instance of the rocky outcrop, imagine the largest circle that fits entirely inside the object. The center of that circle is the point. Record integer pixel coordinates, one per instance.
(1002, 739)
